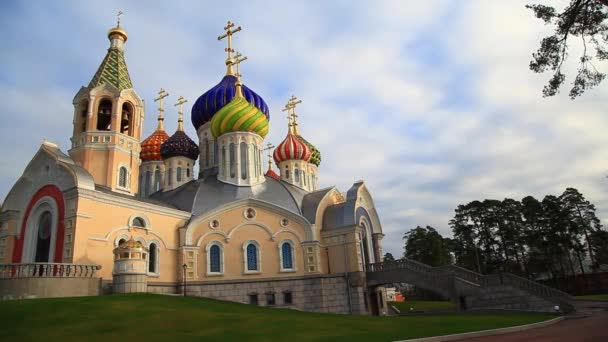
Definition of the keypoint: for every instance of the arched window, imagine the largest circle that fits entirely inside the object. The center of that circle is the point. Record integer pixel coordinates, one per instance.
(252, 258)
(214, 259)
(141, 185)
(215, 154)
(188, 171)
(153, 258)
(232, 161)
(84, 106)
(126, 118)
(122, 177)
(147, 184)
(286, 173)
(170, 177)
(43, 239)
(179, 174)
(224, 160)
(287, 263)
(256, 161)
(156, 179)
(206, 149)
(139, 222)
(244, 160)
(296, 174)
(304, 177)
(121, 241)
(104, 115)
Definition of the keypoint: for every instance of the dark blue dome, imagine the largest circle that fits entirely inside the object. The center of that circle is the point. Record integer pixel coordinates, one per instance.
(217, 97)
(179, 144)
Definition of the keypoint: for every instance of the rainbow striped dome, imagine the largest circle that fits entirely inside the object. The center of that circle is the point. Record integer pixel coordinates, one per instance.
(292, 148)
(150, 148)
(239, 116)
(217, 97)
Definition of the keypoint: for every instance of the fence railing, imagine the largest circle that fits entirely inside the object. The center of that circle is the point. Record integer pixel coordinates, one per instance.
(52, 270)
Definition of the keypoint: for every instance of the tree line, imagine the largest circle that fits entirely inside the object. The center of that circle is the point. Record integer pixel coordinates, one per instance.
(555, 237)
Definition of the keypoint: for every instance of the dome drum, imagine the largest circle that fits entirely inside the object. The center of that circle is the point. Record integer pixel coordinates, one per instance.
(240, 158)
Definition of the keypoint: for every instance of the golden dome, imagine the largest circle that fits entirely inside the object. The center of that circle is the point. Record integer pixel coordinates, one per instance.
(132, 244)
(118, 30)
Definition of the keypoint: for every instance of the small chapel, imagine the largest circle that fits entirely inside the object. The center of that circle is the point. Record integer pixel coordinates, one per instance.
(127, 211)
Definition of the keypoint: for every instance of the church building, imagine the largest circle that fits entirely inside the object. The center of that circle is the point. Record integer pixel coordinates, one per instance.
(132, 206)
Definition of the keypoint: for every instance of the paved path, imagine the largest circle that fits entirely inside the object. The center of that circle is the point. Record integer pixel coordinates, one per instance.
(590, 325)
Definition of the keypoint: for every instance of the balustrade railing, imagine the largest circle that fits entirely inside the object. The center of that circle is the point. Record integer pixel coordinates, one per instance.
(52, 270)
(473, 277)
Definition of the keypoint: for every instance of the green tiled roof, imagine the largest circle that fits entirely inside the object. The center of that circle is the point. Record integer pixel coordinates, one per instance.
(113, 70)
(315, 158)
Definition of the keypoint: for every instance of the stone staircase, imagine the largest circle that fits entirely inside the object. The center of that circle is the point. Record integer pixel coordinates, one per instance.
(471, 290)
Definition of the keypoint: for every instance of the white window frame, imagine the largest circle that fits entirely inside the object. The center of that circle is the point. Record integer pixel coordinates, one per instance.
(293, 256)
(207, 250)
(156, 262)
(246, 269)
(127, 180)
(44, 204)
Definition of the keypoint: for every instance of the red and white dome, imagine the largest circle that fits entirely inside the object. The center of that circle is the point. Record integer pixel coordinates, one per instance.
(292, 148)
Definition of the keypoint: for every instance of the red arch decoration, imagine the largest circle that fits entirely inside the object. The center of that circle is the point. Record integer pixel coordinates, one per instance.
(56, 194)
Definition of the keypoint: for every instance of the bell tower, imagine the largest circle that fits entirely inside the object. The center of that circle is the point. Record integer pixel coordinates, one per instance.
(108, 116)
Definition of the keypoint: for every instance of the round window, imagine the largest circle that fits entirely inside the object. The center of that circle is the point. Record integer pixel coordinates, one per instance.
(249, 213)
(214, 224)
(284, 222)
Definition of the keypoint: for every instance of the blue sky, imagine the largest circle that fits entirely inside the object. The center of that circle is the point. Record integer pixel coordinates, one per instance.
(431, 103)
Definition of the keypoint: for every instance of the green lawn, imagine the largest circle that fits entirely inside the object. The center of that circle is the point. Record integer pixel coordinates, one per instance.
(154, 317)
(597, 296)
(420, 305)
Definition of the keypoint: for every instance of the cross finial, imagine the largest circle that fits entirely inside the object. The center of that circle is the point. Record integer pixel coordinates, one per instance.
(118, 18)
(288, 108)
(269, 147)
(292, 116)
(238, 58)
(161, 95)
(229, 49)
(180, 112)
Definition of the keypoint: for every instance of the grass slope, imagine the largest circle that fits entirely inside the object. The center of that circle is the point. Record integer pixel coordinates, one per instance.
(154, 317)
(423, 305)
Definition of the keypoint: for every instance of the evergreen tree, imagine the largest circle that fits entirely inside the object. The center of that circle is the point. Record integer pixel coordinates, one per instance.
(586, 20)
(426, 245)
(389, 257)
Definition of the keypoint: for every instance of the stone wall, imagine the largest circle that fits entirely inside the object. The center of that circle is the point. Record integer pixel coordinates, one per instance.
(320, 293)
(44, 287)
(506, 297)
(130, 283)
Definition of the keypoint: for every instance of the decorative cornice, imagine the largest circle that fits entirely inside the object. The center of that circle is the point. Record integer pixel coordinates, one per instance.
(107, 198)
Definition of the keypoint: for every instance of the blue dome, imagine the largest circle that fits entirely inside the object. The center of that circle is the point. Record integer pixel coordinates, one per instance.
(217, 97)
(179, 144)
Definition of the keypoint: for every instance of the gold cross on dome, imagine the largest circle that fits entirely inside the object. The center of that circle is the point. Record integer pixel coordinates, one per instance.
(228, 34)
(288, 108)
(180, 106)
(118, 18)
(161, 95)
(238, 58)
(293, 102)
(269, 147)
